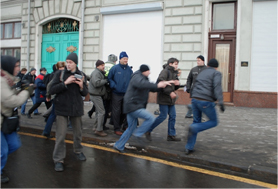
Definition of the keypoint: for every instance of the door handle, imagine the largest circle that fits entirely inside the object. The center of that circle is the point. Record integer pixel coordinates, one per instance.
(229, 79)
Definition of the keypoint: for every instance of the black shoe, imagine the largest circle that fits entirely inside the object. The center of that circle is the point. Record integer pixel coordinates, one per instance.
(47, 136)
(188, 116)
(4, 179)
(121, 151)
(29, 116)
(148, 136)
(37, 113)
(23, 114)
(173, 138)
(59, 167)
(105, 128)
(80, 156)
(187, 152)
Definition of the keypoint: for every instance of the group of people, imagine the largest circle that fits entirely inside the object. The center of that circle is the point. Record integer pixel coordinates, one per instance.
(113, 88)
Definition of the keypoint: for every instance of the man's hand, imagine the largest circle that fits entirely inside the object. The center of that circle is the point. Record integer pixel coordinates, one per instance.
(70, 79)
(163, 84)
(222, 107)
(79, 82)
(177, 82)
(173, 95)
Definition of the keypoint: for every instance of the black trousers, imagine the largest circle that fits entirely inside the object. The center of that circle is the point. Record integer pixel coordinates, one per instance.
(117, 112)
(36, 105)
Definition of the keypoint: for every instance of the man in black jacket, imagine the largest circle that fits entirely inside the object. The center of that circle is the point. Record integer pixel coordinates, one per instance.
(191, 80)
(29, 78)
(135, 102)
(21, 75)
(206, 91)
(69, 90)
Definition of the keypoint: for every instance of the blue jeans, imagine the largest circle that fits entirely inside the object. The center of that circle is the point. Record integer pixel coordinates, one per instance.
(50, 121)
(164, 110)
(132, 124)
(24, 105)
(9, 143)
(199, 107)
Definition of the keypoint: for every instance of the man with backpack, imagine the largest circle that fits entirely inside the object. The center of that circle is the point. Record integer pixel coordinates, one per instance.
(166, 99)
(69, 85)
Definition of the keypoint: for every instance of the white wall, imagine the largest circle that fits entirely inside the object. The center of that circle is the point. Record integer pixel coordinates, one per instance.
(264, 47)
(139, 34)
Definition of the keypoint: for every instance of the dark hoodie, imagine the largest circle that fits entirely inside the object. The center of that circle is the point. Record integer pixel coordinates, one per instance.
(8, 64)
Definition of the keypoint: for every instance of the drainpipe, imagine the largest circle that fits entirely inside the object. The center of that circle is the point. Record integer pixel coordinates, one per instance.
(28, 35)
(81, 35)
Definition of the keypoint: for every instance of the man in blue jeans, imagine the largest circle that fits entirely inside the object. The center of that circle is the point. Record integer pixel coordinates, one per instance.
(166, 99)
(135, 102)
(207, 89)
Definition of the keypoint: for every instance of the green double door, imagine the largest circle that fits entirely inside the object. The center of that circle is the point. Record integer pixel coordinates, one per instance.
(57, 46)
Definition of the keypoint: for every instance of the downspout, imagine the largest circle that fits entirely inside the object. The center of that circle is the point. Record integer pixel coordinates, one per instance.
(28, 36)
(81, 35)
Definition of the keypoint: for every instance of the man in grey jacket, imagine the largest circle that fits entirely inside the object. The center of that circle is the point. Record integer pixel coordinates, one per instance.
(206, 91)
(97, 90)
(135, 102)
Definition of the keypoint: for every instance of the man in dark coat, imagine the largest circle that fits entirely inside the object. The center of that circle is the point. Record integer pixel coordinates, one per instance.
(135, 103)
(40, 93)
(166, 98)
(69, 90)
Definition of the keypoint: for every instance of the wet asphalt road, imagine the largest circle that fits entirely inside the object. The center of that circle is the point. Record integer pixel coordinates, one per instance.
(32, 167)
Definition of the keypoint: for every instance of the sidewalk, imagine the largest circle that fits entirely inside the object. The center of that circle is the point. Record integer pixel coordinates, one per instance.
(245, 141)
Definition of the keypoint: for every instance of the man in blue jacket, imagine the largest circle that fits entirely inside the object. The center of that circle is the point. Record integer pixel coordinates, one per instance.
(119, 77)
(135, 103)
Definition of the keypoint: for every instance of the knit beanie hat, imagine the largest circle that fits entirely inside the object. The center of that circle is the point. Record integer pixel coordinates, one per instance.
(201, 57)
(123, 54)
(213, 63)
(32, 69)
(73, 56)
(99, 62)
(112, 58)
(144, 68)
(8, 63)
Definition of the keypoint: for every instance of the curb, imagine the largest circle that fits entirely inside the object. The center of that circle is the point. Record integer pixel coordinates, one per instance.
(264, 174)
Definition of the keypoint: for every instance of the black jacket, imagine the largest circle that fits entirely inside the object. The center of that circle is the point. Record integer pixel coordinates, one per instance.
(208, 86)
(68, 100)
(30, 78)
(19, 83)
(192, 77)
(163, 95)
(137, 93)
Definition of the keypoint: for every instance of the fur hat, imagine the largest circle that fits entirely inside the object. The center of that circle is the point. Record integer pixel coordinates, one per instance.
(112, 58)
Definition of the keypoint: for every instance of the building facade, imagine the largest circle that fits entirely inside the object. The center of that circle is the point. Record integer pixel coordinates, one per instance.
(241, 34)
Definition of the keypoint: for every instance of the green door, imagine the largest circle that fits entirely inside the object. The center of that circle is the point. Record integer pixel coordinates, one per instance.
(57, 46)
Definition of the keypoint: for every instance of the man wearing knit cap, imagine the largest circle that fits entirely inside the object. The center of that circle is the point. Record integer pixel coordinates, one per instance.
(97, 91)
(135, 102)
(119, 77)
(69, 90)
(191, 80)
(207, 89)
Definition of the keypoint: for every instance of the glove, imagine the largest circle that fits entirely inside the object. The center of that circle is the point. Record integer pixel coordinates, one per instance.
(222, 107)
(188, 90)
(30, 89)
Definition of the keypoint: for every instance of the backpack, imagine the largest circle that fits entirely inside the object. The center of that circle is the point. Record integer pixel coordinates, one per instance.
(46, 79)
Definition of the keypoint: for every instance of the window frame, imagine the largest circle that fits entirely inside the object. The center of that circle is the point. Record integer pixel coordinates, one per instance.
(235, 17)
(13, 30)
(13, 51)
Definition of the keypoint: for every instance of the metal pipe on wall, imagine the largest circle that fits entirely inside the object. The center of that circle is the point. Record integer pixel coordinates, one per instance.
(82, 35)
(28, 36)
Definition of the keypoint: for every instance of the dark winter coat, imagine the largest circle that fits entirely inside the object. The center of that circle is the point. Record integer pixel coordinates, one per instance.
(163, 96)
(192, 77)
(29, 77)
(40, 91)
(68, 100)
(19, 83)
(97, 83)
(119, 77)
(137, 94)
(208, 86)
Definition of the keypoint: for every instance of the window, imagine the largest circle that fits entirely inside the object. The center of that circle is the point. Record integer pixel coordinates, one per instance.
(15, 52)
(223, 16)
(11, 30)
